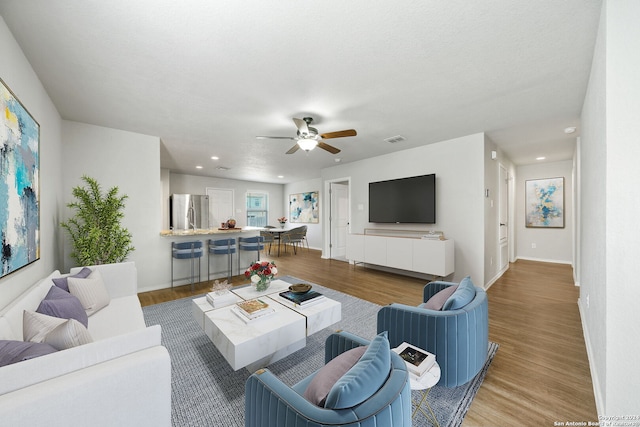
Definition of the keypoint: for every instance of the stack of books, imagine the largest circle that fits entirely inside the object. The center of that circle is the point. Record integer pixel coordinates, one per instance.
(221, 299)
(418, 361)
(302, 300)
(433, 235)
(252, 309)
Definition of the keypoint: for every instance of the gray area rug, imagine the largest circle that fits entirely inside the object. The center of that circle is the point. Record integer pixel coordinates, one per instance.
(207, 392)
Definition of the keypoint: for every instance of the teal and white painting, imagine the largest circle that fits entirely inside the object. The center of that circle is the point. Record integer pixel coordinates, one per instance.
(544, 199)
(19, 176)
(303, 207)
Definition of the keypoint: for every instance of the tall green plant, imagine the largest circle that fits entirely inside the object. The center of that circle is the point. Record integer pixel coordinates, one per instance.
(95, 230)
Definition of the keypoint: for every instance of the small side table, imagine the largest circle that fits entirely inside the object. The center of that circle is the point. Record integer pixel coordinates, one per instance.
(424, 384)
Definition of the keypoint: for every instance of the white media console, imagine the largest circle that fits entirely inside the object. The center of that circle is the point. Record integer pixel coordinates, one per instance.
(435, 257)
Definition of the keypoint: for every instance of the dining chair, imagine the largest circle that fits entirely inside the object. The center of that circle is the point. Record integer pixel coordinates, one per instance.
(269, 238)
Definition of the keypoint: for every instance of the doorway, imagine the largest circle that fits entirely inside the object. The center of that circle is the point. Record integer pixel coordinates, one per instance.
(338, 219)
(503, 214)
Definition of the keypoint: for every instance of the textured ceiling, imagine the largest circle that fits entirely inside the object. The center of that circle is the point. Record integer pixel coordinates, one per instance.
(208, 76)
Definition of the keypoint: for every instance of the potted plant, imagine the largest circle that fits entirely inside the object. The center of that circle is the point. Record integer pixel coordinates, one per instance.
(97, 235)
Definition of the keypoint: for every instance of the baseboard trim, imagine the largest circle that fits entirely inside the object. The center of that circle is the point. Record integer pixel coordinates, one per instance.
(495, 278)
(594, 373)
(555, 261)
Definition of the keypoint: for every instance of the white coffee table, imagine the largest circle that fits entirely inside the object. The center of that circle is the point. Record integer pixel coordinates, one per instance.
(263, 341)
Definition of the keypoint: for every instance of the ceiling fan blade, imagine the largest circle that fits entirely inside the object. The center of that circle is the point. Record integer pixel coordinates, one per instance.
(329, 148)
(302, 126)
(275, 137)
(339, 134)
(293, 149)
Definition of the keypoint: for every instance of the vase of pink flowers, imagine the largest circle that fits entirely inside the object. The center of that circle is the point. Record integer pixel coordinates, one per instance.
(260, 273)
(282, 220)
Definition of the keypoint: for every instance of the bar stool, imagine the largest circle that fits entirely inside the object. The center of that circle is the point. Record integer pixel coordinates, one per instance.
(254, 243)
(187, 250)
(221, 247)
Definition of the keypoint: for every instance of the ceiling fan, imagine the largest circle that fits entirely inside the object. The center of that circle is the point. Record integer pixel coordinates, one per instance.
(308, 137)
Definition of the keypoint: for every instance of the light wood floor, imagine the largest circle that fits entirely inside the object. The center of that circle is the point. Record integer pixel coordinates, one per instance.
(540, 374)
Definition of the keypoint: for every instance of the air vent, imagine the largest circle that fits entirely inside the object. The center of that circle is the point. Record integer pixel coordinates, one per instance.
(395, 139)
(222, 168)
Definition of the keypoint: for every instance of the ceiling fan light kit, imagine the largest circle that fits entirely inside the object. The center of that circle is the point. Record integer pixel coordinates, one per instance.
(308, 137)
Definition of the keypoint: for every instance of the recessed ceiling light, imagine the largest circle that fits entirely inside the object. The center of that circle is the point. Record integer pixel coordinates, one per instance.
(540, 158)
(215, 158)
(337, 160)
(198, 167)
(570, 129)
(280, 176)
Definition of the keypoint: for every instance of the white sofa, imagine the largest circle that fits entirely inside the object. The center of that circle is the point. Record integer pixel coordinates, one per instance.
(122, 378)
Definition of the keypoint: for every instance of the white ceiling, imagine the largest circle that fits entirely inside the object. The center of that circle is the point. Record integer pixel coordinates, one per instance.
(208, 76)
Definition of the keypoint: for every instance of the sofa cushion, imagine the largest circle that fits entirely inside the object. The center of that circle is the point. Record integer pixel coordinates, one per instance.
(69, 334)
(462, 296)
(330, 373)
(436, 302)
(59, 303)
(12, 351)
(62, 282)
(91, 292)
(365, 378)
(36, 326)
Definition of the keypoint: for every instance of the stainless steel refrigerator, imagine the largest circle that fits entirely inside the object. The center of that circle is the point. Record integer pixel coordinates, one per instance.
(188, 211)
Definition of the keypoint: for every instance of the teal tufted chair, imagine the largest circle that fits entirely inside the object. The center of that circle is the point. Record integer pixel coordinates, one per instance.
(271, 403)
(459, 338)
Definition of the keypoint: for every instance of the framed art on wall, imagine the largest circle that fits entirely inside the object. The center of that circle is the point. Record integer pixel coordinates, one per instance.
(303, 207)
(544, 203)
(19, 184)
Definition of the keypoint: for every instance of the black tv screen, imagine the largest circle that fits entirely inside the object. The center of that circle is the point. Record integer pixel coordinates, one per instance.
(404, 200)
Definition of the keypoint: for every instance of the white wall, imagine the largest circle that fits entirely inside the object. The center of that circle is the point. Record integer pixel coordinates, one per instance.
(131, 162)
(609, 178)
(552, 244)
(314, 231)
(193, 184)
(459, 168)
(18, 75)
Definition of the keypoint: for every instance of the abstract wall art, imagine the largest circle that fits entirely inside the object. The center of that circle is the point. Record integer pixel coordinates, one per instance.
(544, 199)
(19, 186)
(303, 207)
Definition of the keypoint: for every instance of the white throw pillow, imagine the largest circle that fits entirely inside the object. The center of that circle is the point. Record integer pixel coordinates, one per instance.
(91, 292)
(36, 326)
(69, 334)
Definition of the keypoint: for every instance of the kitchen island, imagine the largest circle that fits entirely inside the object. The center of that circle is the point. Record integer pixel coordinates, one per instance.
(182, 268)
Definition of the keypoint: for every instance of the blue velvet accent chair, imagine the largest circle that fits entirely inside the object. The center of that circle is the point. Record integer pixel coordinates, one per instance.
(458, 336)
(375, 392)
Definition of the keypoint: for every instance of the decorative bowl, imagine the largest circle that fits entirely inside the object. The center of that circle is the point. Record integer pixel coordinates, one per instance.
(300, 288)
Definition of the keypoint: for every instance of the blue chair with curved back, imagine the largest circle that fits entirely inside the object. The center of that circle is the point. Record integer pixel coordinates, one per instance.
(250, 244)
(221, 247)
(369, 386)
(452, 323)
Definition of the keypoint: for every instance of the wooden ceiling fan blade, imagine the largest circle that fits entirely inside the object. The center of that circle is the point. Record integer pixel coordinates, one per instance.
(293, 149)
(329, 148)
(275, 137)
(302, 126)
(339, 134)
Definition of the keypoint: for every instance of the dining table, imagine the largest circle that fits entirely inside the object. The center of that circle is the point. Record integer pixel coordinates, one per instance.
(277, 232)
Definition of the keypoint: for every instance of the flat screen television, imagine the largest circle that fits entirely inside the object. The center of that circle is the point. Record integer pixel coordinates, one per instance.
(405, 200)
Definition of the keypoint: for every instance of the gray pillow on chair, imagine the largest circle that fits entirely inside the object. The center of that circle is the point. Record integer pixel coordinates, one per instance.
(436, 302)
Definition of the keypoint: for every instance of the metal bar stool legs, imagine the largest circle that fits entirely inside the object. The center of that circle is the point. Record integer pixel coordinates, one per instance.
(255, 243)
(190, 251)
(221, 247)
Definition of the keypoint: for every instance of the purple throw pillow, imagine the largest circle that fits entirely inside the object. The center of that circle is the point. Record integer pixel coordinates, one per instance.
(436, 302)
(329, 374)
(62, 283)
(17, 351)
(59, 303)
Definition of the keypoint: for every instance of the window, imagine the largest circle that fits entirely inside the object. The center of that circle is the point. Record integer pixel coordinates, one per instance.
(257, 209)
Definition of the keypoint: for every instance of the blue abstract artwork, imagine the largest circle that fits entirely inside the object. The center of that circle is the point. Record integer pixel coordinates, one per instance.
(19, 184)
(544, 199)
(303, 207)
